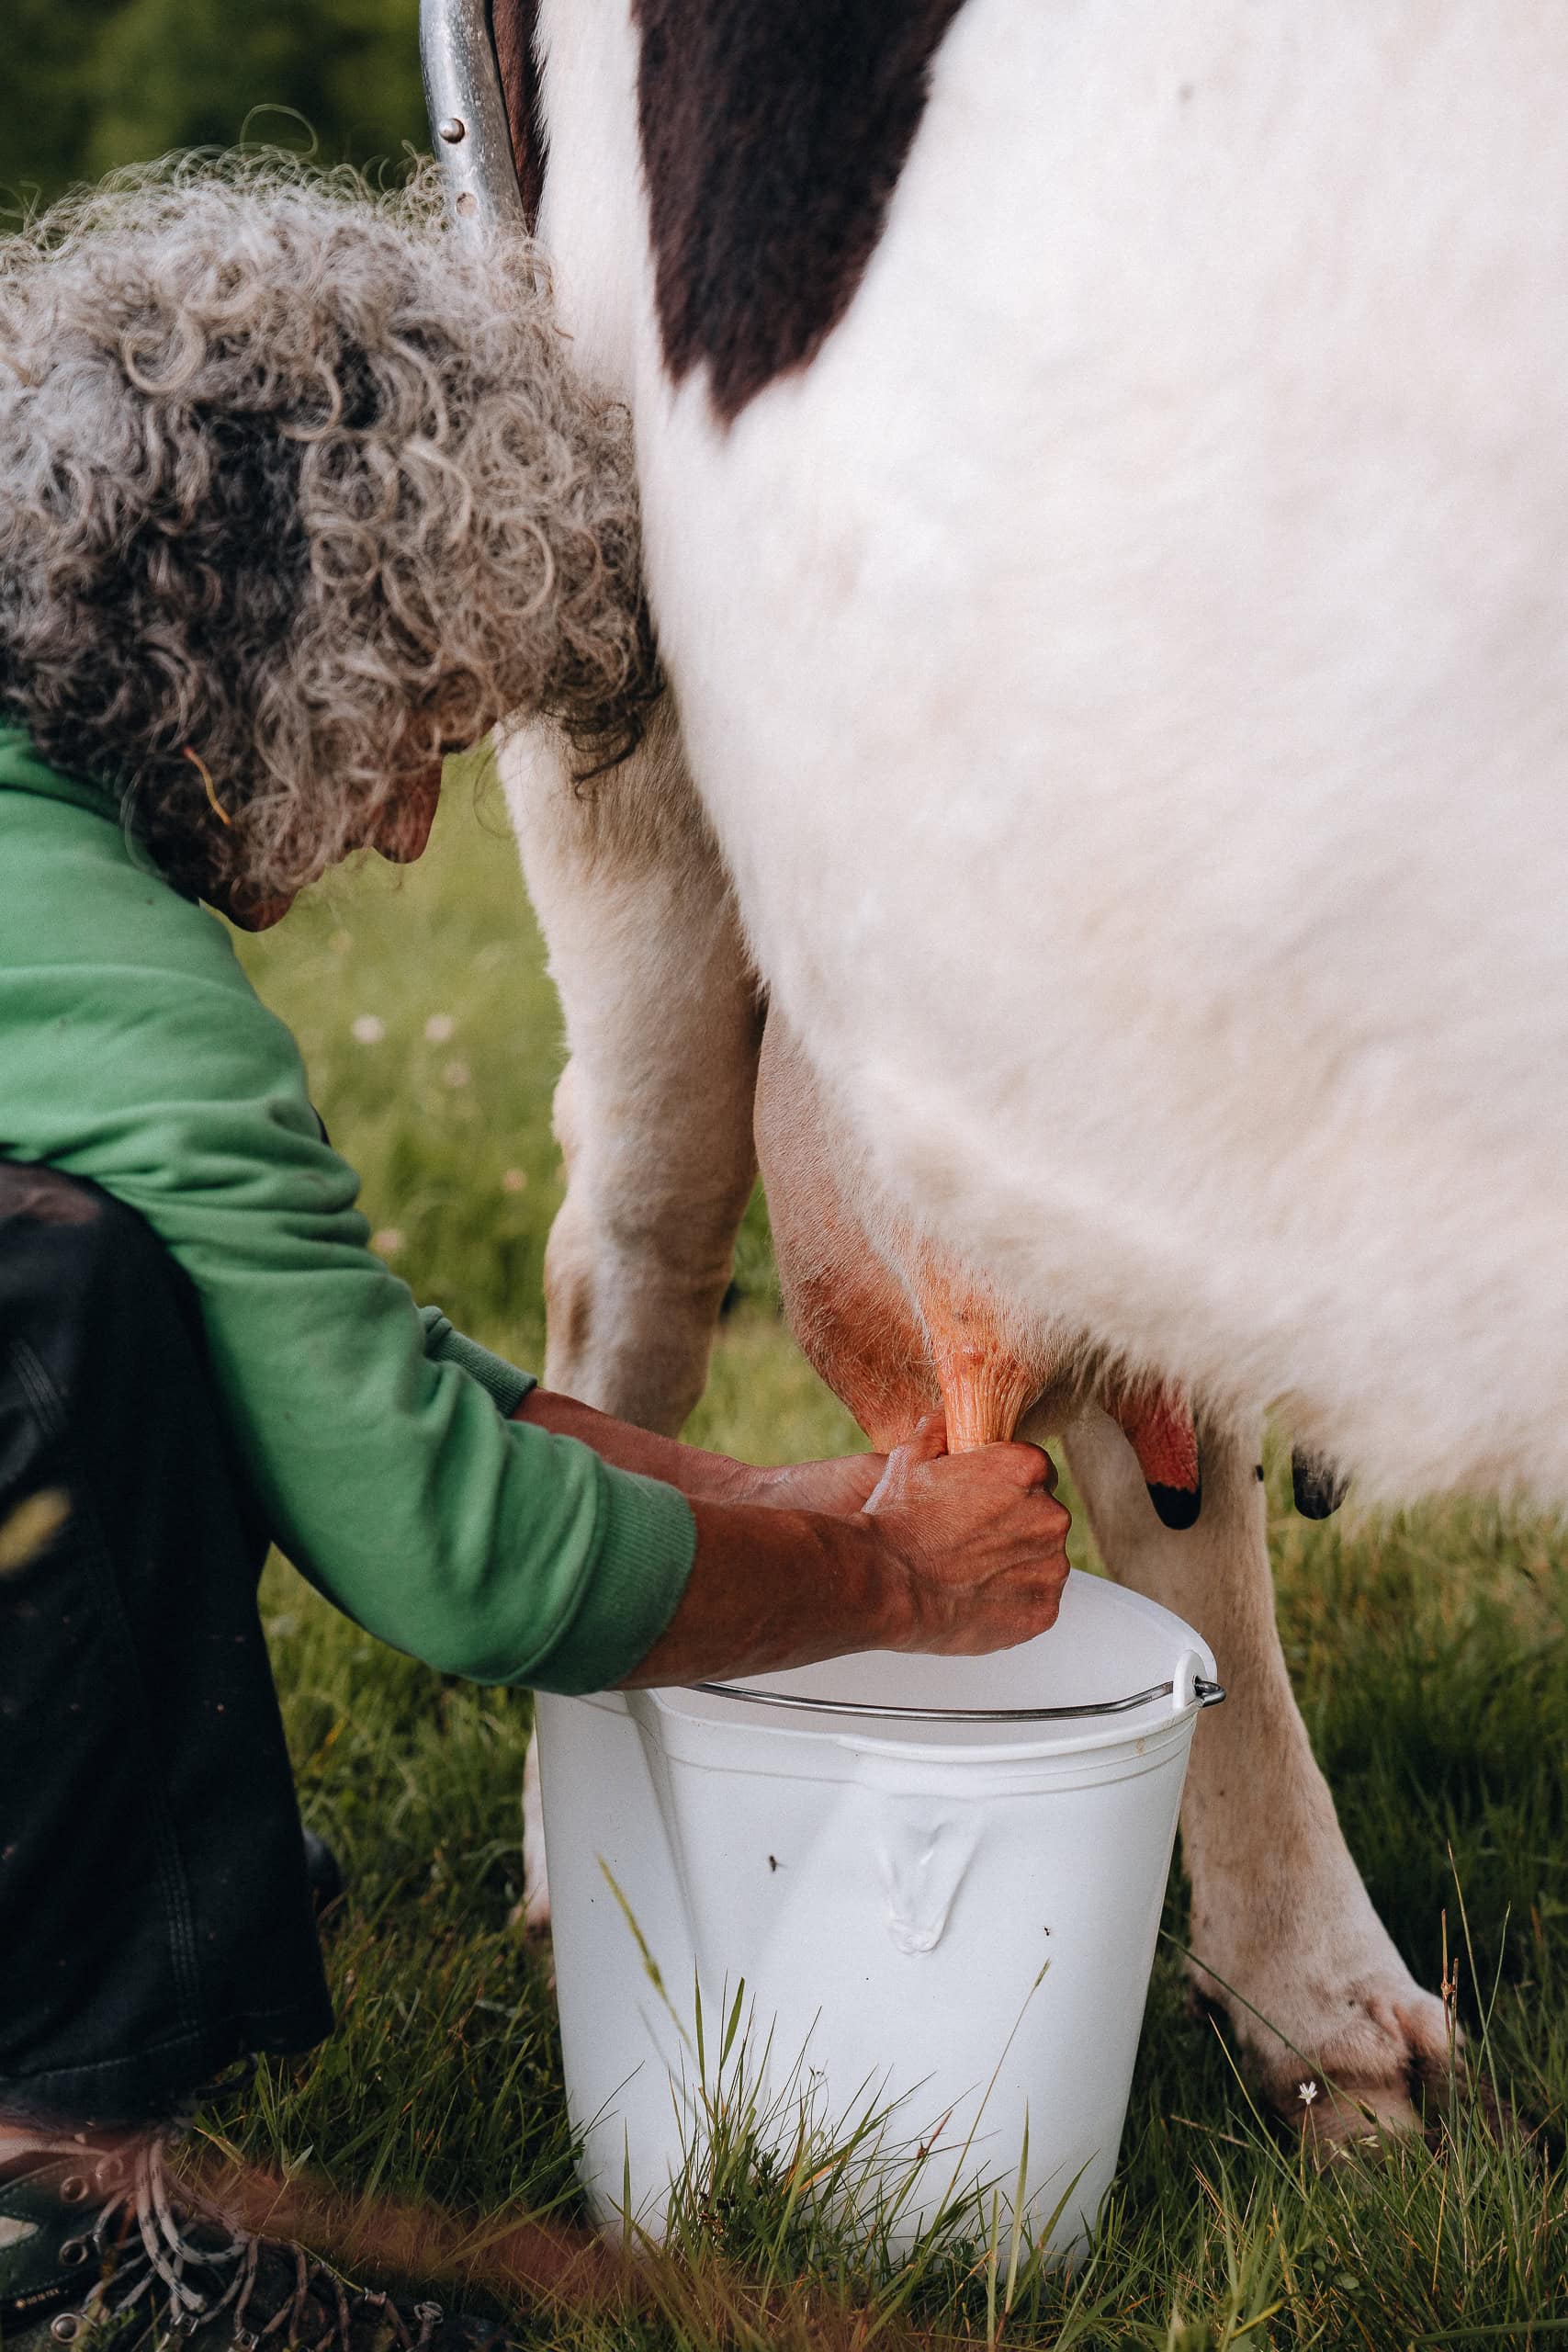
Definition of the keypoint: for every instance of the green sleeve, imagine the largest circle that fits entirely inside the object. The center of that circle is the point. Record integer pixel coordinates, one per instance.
(134, 1051)
(502, 1382)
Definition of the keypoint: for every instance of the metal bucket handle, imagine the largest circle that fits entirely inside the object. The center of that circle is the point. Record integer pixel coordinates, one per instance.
(1185, 1688)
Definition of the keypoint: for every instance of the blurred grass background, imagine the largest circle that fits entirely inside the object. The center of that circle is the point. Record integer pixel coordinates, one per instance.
(1427, 1649)
(88, 84)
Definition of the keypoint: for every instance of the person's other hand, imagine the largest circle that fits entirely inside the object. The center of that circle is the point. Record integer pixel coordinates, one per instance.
(844, 1484)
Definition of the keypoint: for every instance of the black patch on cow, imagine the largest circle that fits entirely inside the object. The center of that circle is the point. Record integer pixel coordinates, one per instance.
(511, 29)
(774, 132)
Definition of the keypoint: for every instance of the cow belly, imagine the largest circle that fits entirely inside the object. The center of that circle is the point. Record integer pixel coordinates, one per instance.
(1128, 676)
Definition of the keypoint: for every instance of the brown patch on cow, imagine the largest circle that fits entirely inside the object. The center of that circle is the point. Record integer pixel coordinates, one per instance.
(513, 24)
(772, 139)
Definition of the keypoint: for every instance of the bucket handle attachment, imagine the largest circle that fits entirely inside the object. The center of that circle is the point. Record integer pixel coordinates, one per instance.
(1187, 1688)
(1191, 1687)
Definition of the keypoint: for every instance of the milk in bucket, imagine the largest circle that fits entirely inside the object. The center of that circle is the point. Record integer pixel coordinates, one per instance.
(889, 1850)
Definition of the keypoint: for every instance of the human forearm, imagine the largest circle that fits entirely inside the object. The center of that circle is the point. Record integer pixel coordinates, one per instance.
(712, 1478)
(771, 1589)
(962, 1553)
(843, 1484)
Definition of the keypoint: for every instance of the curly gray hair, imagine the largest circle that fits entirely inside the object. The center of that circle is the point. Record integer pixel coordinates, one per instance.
(294, 480)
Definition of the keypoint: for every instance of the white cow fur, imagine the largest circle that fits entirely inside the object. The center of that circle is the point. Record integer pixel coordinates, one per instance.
(1126, 679)
(654, 1113)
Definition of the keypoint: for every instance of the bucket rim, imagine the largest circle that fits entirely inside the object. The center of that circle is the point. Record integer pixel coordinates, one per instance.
(778, 1707)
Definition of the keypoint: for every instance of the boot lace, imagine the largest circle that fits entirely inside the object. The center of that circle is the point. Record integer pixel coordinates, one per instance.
(147, 2258)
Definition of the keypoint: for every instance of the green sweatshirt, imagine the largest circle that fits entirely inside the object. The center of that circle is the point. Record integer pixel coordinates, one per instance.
(134, 1051)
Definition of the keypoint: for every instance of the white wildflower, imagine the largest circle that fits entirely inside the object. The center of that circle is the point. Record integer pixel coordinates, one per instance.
(389, 1242)
(366, 1030)
(440, 1029)
(456, 1074)
(1308, 2092)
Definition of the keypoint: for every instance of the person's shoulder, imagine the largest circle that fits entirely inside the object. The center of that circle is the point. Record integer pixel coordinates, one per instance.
(76, 890)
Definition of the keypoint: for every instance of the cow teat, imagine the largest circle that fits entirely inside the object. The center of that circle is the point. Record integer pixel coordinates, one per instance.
(895, 1323)
(986, 1380)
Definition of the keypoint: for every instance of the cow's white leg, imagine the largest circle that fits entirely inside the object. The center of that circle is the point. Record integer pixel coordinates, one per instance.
(1279, 1909)
(653, 1110)
(536, 1870)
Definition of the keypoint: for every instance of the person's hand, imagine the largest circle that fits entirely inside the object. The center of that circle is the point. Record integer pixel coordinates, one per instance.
(844, 1484)
(981, 1540)
(962, 1553)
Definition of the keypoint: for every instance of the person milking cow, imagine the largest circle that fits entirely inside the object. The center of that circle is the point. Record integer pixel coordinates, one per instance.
(296, 495)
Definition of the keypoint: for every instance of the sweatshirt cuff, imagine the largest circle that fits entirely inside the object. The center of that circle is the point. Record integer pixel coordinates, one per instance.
(647, 1544)
(502, 1382)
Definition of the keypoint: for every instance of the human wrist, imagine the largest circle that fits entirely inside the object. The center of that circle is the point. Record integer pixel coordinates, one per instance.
(716, 1478)
(893, 1604)
(749, 1482)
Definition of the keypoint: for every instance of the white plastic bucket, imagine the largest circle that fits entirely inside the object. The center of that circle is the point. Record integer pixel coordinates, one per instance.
(890, 1887)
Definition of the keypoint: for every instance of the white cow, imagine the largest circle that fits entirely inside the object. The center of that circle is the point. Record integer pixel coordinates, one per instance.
(1105, 472)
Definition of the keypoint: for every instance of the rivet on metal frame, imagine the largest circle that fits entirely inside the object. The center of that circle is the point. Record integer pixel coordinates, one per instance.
(467, 114)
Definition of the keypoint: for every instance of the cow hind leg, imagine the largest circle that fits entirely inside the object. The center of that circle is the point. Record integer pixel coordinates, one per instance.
(1284, 1937)
(653, 1110)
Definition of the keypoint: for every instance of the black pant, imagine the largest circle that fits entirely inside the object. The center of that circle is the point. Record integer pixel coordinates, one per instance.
(155, 1922)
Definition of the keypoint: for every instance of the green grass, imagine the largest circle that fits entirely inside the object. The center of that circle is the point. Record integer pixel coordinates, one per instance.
(1427, 1652)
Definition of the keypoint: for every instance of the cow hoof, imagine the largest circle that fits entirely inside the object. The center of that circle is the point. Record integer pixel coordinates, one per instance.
(1385, 2073)
(1382, 2067)
(1344, 2117)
